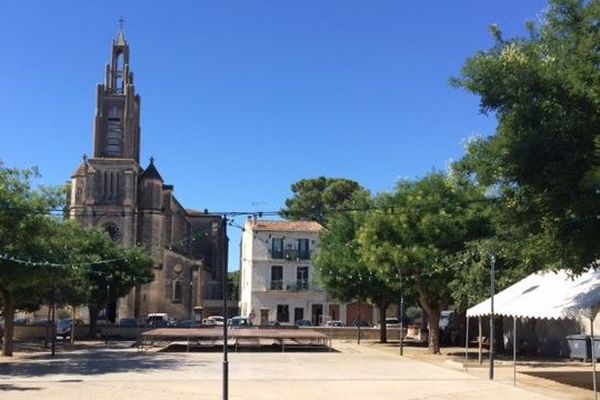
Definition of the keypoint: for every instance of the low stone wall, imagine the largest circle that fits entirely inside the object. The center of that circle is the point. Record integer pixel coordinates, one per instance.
(24, 333)
(28, 332)
(350, 332)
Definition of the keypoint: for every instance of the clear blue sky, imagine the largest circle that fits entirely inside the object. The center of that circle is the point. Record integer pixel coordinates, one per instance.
(242, 98)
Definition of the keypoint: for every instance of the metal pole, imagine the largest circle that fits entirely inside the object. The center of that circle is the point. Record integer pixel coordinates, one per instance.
(106, 312)
(492, 293)
(593, 359)
(72, 338)
(358, 322)
(467, 344)
(514, 351)
(224, 266)
(53, 327)
(401, 324)
(480, 340)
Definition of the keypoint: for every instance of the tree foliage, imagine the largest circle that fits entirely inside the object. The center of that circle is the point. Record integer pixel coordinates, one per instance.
(315, 199)
(544, 160)
(46, 257)
(423, 235)
(341, 268)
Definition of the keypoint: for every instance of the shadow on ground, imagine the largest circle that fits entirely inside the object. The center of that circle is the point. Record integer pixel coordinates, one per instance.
(94, 362)
(580, 379)
(11, 387)
(182, 348)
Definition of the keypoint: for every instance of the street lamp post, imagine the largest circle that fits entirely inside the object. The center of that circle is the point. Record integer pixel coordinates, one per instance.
(401, 324)
(224, 277)
(108, 279)
(359, 320)
(492, 294)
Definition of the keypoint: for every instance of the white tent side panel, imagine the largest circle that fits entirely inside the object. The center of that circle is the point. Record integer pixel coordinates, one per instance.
(546, 295)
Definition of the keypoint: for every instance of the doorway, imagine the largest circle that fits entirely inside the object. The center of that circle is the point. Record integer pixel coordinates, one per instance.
(317, 313)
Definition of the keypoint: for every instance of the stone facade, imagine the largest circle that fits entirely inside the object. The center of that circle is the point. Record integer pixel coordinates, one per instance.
(136, 208)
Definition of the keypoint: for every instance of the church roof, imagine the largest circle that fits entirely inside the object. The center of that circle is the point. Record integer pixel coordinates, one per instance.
(151, 172)
(82, 169)
(285, 226)
(121, 39)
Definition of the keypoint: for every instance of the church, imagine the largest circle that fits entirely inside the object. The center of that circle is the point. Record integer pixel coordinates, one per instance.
(112, 191)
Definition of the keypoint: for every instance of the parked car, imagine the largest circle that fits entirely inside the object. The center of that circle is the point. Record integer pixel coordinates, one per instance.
(63, 327)
(334, 324)
(273, 324)
(394, 322)
(158, 320)
(239, 322)
(189, 324)
(128, 322)
(362, 324)
(207, 323)
(217, 319)
(448, 328)
(303, 323)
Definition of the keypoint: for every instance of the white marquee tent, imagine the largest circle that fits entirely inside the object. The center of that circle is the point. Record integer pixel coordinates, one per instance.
(546, 295)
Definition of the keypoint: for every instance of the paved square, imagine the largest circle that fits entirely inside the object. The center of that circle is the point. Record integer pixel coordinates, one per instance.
(355, 372)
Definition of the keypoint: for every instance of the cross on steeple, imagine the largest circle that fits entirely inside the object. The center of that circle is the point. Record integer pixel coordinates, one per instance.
(121, 22)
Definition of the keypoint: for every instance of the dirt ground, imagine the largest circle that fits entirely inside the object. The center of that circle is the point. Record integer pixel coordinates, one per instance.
(565, 379)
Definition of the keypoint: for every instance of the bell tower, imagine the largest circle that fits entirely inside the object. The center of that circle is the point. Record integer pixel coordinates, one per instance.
(117, 127)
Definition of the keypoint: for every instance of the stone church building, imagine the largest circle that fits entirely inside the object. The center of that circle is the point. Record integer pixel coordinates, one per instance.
(111, 190)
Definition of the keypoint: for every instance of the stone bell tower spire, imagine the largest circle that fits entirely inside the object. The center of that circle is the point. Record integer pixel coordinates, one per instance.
(117, 129)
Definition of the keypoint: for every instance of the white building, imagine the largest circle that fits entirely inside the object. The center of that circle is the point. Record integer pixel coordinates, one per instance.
(277, 281)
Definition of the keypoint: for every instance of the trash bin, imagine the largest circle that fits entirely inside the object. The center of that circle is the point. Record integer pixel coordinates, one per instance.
(596, 344)
(580, 347)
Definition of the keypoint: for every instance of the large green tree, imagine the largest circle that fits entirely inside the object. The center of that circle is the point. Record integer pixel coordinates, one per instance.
(27, 232)
(341, 268)
(317, 199)
(43, 257)
(544, 159)
(420, 233)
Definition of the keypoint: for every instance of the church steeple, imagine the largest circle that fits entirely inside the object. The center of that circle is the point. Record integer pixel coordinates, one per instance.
(117, 130)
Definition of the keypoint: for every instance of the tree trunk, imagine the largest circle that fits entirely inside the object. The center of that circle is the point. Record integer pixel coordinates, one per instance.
(9, 323)
(434, 330)
(383, 326)
(48, 322)
(93, 321)
(433, 310)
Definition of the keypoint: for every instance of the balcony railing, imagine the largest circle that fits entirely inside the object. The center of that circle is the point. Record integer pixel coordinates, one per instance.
(290, 255)
(293, 285)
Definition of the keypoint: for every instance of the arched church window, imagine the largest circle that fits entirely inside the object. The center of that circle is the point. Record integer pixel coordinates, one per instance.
(177, 291)
(114, 132)
(120, 73)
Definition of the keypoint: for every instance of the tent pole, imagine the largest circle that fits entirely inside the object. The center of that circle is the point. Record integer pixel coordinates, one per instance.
(593, 358)
(514, 351)
(467, 344)
(480, 340)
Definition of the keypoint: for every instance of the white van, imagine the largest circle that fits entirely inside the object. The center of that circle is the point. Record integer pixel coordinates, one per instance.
(158, 320)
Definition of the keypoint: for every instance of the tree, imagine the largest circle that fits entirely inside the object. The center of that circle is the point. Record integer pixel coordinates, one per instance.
(26, 231)
(233, 285)
(341, 269)
(317, 199)
(544, 159)
(46, 257)
(112, 272)
(422, 237)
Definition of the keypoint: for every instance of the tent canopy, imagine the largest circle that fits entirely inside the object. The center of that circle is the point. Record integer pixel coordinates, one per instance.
(546, 295)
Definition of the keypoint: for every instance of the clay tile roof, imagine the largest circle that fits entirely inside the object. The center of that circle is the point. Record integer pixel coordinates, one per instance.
(287, 226)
